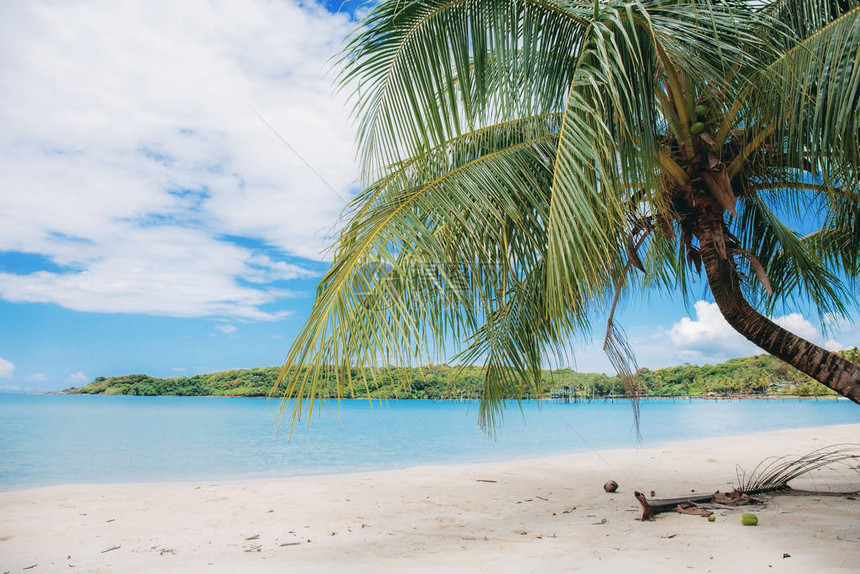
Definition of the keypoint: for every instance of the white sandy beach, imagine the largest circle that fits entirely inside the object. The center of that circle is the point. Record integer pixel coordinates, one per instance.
(546, 515)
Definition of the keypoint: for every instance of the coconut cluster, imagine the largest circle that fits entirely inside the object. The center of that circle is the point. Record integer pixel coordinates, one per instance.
(699, 126)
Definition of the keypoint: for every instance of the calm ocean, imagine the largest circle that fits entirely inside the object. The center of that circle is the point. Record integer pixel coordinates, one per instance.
(59, 439)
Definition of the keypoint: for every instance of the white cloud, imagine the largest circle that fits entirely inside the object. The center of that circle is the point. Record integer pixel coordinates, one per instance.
(845, 329)
(706, 338)
(36, 378)
(832, 345)
(226, 329)
(168, 271)
(6, 368)
(132, 151)
(709, 338)
(77, 378)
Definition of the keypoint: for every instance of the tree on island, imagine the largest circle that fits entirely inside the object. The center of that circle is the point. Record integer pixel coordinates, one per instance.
(527, 162)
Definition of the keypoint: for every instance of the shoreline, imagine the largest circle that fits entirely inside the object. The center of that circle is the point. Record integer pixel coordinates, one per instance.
(829, 397)
(544, 514)
(584, 450)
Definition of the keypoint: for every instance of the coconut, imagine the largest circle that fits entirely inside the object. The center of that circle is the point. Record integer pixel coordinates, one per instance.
(697, 128)
(610, 486)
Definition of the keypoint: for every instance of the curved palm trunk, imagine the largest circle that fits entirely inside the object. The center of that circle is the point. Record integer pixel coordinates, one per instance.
(828, 368)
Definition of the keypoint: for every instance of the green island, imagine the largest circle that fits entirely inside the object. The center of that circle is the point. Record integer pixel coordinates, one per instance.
(760, 375)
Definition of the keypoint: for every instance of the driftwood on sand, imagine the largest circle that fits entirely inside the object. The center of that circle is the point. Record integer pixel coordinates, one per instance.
(699, 505)
(771, 476)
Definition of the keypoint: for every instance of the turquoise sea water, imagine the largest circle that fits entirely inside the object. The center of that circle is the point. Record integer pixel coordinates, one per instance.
(59, 439)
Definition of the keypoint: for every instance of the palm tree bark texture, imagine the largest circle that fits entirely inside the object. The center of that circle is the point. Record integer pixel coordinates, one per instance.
(824, 366)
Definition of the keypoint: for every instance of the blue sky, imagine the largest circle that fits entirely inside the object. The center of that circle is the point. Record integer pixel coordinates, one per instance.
(150, 221)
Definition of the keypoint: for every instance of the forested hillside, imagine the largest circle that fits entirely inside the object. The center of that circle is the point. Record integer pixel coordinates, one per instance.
(758, 375)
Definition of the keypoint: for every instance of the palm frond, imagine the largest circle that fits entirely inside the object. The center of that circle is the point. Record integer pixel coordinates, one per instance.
(510, 146)
(448, 248)
(803, 18)
(512, 344)
(425, 71)
(813, 93)
(774, 474)
(793, 267)
(623, 360)
(609, 144)
(837, 243)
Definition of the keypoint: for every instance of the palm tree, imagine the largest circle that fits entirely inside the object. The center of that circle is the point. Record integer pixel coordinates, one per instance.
(528, 161)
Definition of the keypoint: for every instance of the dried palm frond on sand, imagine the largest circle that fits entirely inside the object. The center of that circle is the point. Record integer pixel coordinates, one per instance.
(774, 474)
(770, 476)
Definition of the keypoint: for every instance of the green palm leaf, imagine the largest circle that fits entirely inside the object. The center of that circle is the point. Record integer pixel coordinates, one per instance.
(526, 160)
